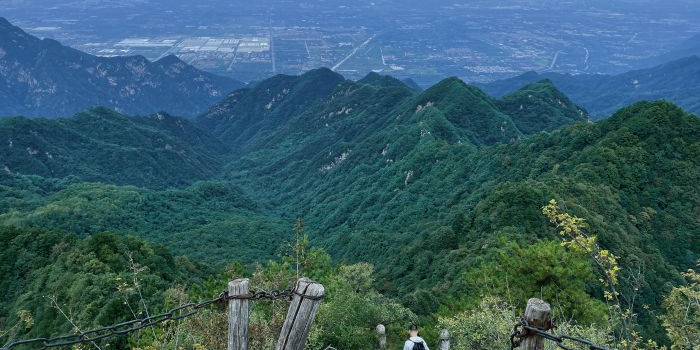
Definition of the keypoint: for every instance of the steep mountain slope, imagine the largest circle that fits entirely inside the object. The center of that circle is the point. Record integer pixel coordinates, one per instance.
(42, 78)
(470, 110)
(248, 113)
(365, 139)
(540, 107)
(677, 81)
(101, 145)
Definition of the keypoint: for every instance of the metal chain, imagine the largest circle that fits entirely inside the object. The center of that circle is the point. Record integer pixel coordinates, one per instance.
(260, 295)
(271, 295)
(522, 330)
(127, 327)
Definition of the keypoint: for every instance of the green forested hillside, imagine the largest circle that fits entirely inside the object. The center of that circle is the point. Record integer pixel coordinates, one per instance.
(441, 190)
(246, 113)
(425, 209)
(211, 222)
(348, 155)
(631, 177)
(53, 279)
(157, 151)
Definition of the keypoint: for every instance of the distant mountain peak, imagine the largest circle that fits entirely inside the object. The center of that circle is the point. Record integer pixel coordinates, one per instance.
(379, 80)
(321, 73)
(648, 110)
(540, 106)
(541, 87)
(545, 81)
(99, 144)
(451, 81)
(43, 78)
(454, 87)
(373, 74)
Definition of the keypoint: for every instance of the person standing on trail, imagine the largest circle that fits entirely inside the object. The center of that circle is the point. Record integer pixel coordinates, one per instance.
(414, 342)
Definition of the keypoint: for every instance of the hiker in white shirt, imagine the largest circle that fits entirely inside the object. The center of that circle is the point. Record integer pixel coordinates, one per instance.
(414, 342)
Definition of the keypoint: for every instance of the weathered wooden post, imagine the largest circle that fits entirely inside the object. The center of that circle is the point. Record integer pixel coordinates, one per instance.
(381, 331)
(444, 343)
(301, 314)
(536, 315)
(238, 313)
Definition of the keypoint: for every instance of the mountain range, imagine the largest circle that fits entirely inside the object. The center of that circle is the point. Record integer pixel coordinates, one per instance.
(426, 185)
(440, 189)
(677, 81)
(321, 107)
(42, 78)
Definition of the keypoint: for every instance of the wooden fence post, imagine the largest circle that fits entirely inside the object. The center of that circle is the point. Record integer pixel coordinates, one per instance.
(444, 343)
(536, 315)
(238, 313)
(301, 314)
(381, 330)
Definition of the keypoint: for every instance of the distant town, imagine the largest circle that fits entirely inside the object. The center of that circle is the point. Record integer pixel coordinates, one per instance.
(478, 42)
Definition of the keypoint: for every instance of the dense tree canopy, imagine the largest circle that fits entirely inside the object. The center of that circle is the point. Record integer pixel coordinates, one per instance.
(441, 191)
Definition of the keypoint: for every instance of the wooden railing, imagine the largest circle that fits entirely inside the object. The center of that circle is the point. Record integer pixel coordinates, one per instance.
(306, 299)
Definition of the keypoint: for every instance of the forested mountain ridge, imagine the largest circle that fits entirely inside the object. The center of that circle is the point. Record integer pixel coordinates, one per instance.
(539, 107)
(379, 125)
(247, 113)
(42, 78)
(677, 81)
(162, 151)
(156, 151)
